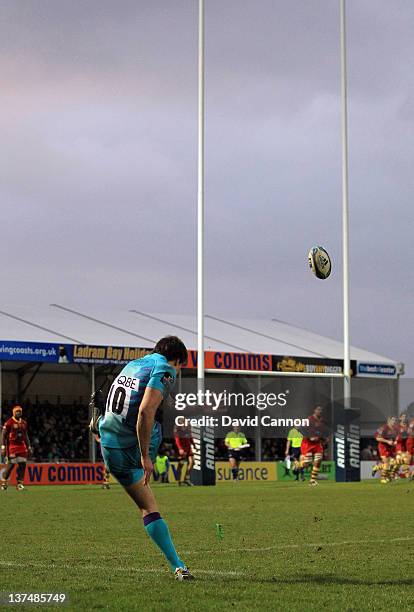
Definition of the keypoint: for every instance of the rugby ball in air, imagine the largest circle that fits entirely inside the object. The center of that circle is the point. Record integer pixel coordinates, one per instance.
(319, 262)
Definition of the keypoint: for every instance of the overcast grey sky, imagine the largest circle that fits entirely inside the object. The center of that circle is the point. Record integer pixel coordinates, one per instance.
(98, 168)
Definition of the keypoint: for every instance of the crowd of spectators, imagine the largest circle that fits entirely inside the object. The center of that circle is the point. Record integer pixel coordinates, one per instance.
(273, 449)
(369, 450)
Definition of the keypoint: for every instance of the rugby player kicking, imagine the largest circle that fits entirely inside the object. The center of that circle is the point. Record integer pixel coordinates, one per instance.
(15, 445)
(131, 434)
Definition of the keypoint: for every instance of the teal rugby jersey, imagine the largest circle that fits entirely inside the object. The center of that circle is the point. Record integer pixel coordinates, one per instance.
(118, 426)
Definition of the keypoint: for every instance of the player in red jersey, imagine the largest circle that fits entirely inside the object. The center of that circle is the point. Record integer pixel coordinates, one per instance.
(15, 445)
(386, 436)
(402, 457)
(311, 449)
(184, 442)
(410, 443)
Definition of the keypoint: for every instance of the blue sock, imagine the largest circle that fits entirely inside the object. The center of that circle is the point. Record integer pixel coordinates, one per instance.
(158, 531)
(234, 472)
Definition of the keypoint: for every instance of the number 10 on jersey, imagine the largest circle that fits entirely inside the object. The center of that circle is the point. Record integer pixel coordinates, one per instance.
(119, 396)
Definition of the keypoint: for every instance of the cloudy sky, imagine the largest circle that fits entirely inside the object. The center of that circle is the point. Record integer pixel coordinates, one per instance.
(98, 168)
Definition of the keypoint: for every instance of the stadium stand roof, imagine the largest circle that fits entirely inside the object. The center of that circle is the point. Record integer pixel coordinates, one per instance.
(57, 323)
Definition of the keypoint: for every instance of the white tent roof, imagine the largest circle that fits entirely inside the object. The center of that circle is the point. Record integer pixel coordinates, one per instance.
(58, 323)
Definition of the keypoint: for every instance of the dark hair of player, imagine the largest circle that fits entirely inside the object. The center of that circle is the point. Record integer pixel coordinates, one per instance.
(172, 348)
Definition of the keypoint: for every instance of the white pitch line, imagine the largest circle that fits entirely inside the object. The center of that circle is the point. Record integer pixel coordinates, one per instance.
(94, 568)
(344, 543)
(306, 544)
(147, 570)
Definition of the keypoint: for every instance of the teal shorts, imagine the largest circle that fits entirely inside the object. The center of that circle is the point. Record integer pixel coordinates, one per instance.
(125, 463)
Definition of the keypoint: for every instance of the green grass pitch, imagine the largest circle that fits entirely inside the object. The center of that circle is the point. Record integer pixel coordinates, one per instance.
(286, 546)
